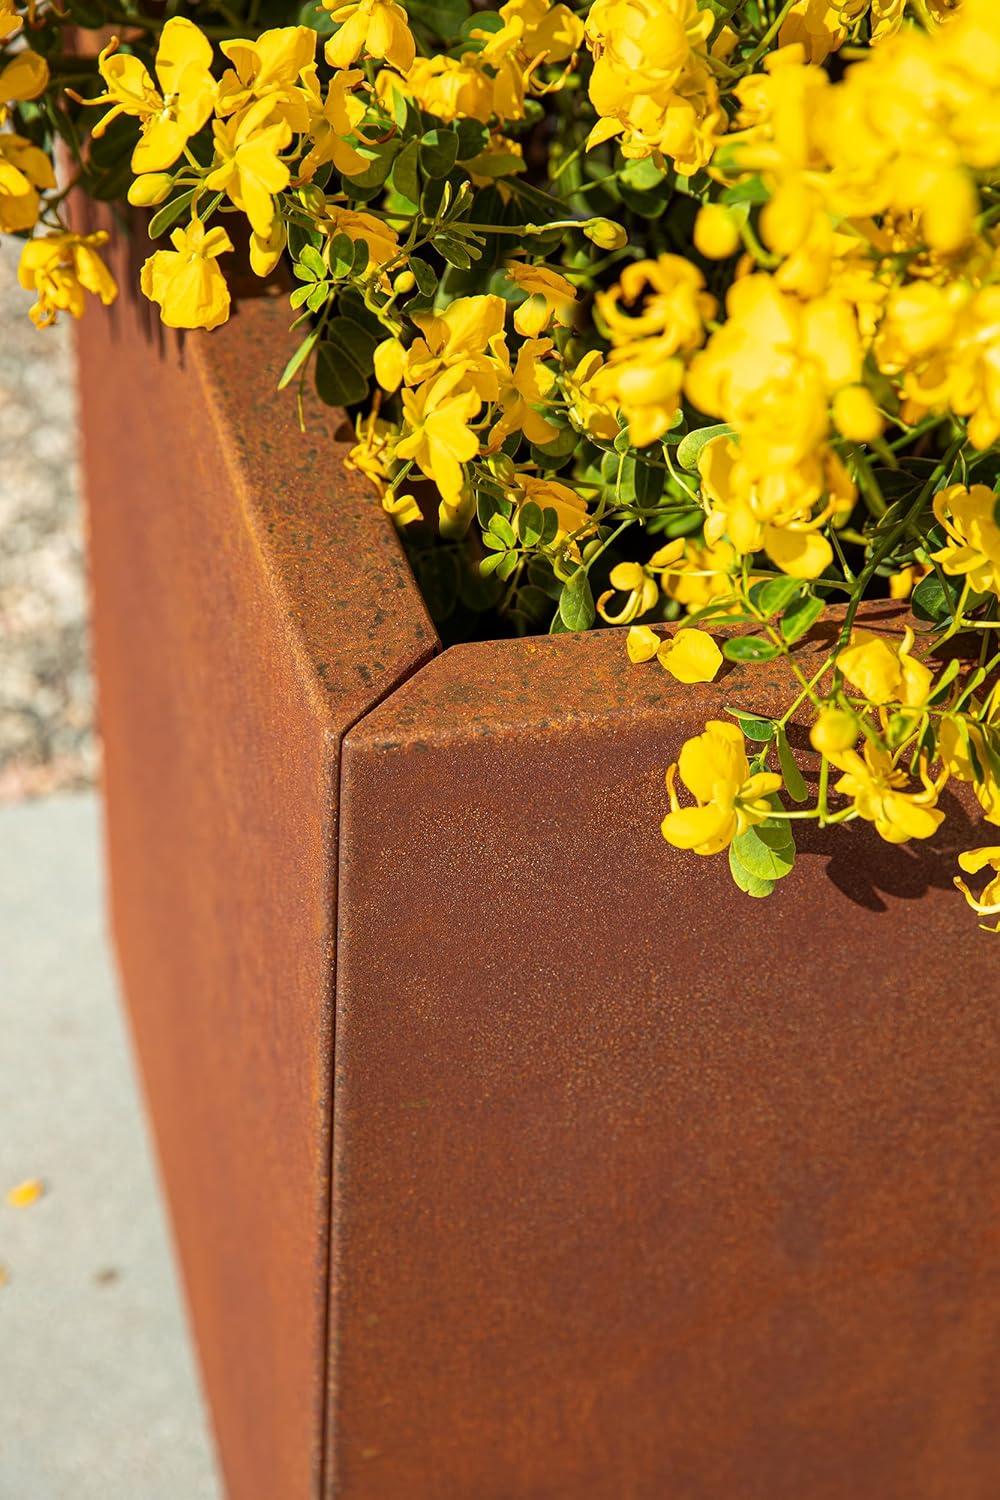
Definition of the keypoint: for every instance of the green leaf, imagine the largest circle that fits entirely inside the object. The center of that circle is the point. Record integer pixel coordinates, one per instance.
(169, 213)
(794, 781)
(576, 602)
(298, 359)
(530, 523)
(343, 363)
(489, 504)
(550, 526)
(944, 682)
(360, 257)
(766, 851)
(438, 152)
(689, 448)
(380, 159)
(341, 254)
(754, 728)
(310, 265)
(501, 527)
(423, 275)
(747, 882)
(490, 564)
(455, 251)
(801, 617)
(405, 178)
(772, 597)
(749, 648)
(932, 599)
(751, 190)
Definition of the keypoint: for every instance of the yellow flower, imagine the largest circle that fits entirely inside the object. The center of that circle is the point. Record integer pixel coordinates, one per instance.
(834, 731)
(450, 88)
(249, 169)
(371, 456)
(650, 83)
(591, 408)
(10, 21)
(716, 232)
(186, 281)
(533, 34)
(883, 671)
(987, 904)
(973, 547)
(437, 433)
(25, 171)
(641, 643)
(693, 572)
(269, 68)
(376, 27)
(690, 656)
(168, 118)
(331, 121)
(769, 372)
(714, 768)
(817, 26)
(267, 249)
(643, 383)
(552, 494)
(857, 417)
(59, 268)
(772, 512)
(674, 304)
(382, 242)
(640, 588)
(24, 77)
(964, 753)
(522, 391)
(875, 785)
(467, 336)
(149, 189)
(549, 295)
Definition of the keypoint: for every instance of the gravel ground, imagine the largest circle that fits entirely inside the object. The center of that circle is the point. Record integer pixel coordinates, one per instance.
(46, 705)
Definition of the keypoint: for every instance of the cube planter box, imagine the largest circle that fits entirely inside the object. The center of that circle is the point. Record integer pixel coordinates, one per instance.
(511, 1154)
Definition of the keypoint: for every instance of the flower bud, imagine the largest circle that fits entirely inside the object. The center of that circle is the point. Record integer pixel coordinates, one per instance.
(149, 189)
(716, 233)
(856, 415)
(404, 282)
(606, 234)
(834, 731)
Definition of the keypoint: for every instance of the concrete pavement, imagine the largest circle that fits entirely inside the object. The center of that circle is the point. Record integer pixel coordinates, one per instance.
(98, 1392)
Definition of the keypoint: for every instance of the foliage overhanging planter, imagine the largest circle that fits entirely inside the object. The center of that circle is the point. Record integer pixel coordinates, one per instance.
(510, 1152)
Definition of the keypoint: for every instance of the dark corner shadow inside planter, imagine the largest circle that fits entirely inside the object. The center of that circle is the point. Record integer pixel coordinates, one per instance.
(510, 1152)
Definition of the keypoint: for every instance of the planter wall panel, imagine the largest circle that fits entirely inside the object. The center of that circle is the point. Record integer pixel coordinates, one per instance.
(643, 1188)
(249, 605)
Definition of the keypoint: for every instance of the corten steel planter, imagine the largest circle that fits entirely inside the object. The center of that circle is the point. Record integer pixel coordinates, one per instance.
(641, 1189)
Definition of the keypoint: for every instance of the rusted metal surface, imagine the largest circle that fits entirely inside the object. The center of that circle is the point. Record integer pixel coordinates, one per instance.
(251, 603)
(642, 1188)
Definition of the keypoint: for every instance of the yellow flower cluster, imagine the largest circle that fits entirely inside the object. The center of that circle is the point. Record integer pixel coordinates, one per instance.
(658, 268)
(493, 78)
(652, 84)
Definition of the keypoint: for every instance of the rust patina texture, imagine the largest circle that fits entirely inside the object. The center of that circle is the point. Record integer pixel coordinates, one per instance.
(250, 604)
(642, 1190)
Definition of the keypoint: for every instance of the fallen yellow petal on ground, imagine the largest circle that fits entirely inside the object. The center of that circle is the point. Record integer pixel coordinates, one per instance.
(25, 1193)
